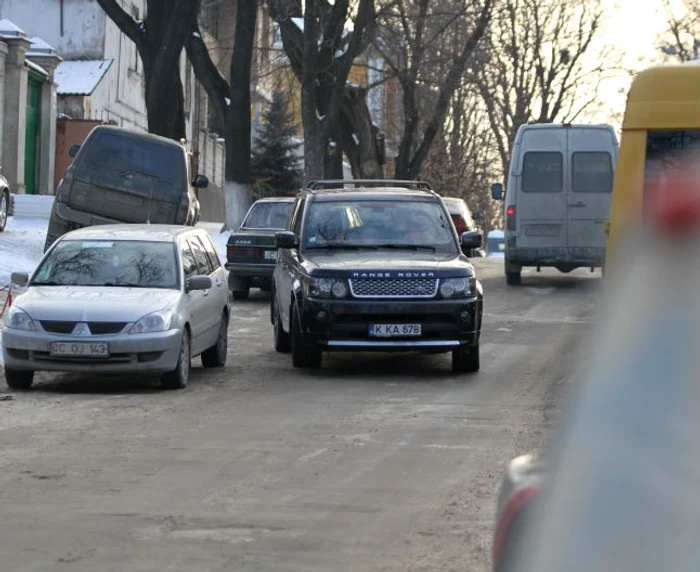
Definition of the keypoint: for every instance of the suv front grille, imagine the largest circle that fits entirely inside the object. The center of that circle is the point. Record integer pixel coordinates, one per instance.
(393, 287)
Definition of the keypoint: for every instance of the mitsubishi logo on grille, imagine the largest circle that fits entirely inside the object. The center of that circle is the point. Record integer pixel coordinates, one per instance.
(81, 329)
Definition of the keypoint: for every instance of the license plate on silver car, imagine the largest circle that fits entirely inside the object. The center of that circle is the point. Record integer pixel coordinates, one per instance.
(395, 330)
(270, 255)
(80, 349)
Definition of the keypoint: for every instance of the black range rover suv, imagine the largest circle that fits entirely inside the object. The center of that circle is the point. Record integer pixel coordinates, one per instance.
(375, 266)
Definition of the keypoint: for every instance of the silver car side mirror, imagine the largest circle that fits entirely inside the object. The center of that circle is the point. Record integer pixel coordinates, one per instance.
(199, 283)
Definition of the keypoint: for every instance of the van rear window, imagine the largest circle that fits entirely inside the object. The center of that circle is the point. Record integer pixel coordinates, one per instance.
(119, 153)
(592, 172)
(543, 172)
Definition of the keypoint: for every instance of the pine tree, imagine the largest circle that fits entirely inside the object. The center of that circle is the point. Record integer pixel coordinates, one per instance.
(275, 164)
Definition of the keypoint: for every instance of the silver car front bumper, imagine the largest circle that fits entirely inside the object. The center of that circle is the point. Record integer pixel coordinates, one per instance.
(128, 353)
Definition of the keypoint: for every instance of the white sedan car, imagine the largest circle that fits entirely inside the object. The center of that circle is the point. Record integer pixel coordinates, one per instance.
(120, 299)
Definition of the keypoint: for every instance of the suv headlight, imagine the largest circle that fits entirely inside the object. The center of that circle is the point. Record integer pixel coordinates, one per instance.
(326, 287)
(457, 287)
(154, 322)
(18, 319)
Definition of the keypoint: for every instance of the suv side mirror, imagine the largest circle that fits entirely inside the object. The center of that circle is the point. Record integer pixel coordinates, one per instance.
(199, 283)
(497, 192)
(200, 182)
(471, 239)
(286, 239)
(74, 150)
(19, 278)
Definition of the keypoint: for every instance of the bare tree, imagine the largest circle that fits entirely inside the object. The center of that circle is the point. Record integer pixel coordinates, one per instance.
(681, 41)
(321, 52)
(534, 65)
(160, 40)
(231, 102)
(428, 44)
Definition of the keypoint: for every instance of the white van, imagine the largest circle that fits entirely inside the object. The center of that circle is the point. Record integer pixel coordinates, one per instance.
(558, 195)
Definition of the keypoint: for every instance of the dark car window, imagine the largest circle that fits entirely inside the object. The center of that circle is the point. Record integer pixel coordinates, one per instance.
(543, 172)
(368, 223)
(211, 253)
(591, 172)
(122, 153)
(188, 261)
(140, 264)
(268, 214)
(200, 256)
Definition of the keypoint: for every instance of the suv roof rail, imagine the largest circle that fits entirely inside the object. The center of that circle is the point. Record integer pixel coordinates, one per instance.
(339, 183)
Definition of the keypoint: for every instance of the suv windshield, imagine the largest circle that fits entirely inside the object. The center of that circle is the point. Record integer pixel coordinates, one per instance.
(135, 156)
(138, 264)
(268, 214)
(371, 223)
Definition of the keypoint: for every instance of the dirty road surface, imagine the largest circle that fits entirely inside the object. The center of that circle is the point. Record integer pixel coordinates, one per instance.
(372, 463)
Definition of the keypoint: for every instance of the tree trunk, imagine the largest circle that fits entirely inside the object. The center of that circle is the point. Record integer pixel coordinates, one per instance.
(237, 116)
(359, 136)
(313, 136)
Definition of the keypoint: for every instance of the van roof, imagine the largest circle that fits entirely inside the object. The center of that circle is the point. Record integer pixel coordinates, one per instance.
(138, 135)
(566, 126)
(664, 97)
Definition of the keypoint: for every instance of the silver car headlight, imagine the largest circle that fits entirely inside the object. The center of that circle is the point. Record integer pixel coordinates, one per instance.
(18, 319)
(457, 287)
(326, 287)
(154, 322)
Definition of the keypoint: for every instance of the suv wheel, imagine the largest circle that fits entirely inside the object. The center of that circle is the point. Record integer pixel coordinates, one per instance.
(18, 379)
(304, 353)
(215, 356)
(465, 359)
(178, 378)
(282, 341)
(4, 209)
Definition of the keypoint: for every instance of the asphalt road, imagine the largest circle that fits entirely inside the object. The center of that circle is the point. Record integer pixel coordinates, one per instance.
(372, 463)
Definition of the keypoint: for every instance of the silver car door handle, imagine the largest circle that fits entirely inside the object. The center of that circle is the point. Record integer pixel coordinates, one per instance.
(577, 204)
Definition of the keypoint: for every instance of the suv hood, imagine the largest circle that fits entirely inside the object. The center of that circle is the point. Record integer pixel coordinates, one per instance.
(344, 263)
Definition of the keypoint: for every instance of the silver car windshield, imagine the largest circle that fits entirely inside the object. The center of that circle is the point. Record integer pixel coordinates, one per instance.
(268, 214)
(373, 224)
(136, 264)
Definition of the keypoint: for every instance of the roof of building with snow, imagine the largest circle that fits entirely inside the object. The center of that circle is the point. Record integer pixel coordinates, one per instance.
(80, 77)
(37, 68)
(11, 30)
(40, 48)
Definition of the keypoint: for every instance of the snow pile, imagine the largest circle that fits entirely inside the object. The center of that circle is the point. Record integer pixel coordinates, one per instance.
(21, 245)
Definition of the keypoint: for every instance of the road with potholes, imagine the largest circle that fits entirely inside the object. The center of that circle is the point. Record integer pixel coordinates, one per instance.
(371, 463)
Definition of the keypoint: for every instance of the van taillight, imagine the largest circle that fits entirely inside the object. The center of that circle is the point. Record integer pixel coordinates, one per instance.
(63, 190)
(510, 218)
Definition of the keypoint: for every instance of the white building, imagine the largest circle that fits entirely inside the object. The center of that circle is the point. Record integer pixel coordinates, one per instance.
(101, 76)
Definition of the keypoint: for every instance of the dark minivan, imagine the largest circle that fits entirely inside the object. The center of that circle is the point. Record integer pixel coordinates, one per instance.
(124, 176)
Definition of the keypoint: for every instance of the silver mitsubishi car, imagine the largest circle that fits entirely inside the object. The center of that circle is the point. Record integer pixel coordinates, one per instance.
(120, 299)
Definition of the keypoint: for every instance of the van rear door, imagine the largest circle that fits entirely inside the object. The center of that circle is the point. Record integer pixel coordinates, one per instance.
(592, 156)
(541, 203)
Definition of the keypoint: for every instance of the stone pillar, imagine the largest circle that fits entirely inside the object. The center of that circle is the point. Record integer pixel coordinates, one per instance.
(3, 56)
(15, 119)
(47, 134)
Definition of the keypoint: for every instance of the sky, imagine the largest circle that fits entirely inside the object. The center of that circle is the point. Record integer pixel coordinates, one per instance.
(632, 27)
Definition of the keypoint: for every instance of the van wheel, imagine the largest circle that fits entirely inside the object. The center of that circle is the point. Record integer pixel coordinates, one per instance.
(465, 359)
(513, 278)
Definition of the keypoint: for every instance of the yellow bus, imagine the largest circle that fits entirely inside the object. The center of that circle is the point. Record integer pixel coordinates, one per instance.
(661, 121)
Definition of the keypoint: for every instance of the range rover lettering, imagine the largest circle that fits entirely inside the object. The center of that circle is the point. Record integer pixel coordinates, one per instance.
(376, 266)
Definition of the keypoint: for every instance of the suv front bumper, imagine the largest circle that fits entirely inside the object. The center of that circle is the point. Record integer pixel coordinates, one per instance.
(344, 325)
